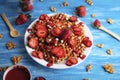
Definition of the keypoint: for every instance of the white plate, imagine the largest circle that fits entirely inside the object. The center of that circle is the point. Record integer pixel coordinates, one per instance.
(62, 65)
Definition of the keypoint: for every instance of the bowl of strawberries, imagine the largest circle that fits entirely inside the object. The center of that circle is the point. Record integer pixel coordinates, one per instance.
(58, 41)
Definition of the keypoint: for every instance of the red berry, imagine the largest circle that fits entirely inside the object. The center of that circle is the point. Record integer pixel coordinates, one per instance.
(34, 53)
(77, 31)
(58, 24)
(97, 23)
(82, 56)
(88, 43)
(73, 19)
(44, 17)
(27, 7)
(33, 42)
(40, 78)
(66, 34)
(85, 39)
(58, 52)
(41, 33)
(81, 11)
(39, 26)
(68, 63)
(40, 55)
(22, 18)
(56, 32)
(73, 60)
(71, 42)
(49, 64)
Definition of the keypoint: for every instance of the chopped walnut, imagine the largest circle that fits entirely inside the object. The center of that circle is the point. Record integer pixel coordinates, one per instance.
(3, 68)
(11, 45)
(16, 59)
(110, 21)
(53, 9)
(1, 36)
(108, 68)
(100, 45)
(109, 51)
(93, 15)
(89, 2)
(65, 3)
(89, 67)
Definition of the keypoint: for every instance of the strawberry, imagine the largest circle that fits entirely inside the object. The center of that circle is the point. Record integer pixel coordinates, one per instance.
(66, 34)
(58, 24)
(97, 23)
(73, 19)
(68, 63)
(39, 26)
(77, 31)
(81, 11)
(88, 43)
(27, 7)
(41, 33)
(22, 18)
(73, 60)
(82, 56)
(34, 53)
(33, 43)
(44, 17)
(40, 55)
(58, 52)
(40, 78)
(71, 42)
(56, 32)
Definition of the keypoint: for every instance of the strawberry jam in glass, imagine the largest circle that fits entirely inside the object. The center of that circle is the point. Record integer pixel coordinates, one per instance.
(17, 72)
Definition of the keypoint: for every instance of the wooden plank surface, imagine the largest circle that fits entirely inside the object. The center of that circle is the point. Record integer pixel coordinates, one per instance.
(98, 57)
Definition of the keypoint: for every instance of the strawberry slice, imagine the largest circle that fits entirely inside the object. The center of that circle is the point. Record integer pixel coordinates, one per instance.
(39, 26)
(44, 17)
(71, 42)
(40, 55)
(56, 32)
(87, 43)
(58, 24)
(58, 52)
(82, 56)
(33, 43)
(73, 19)
(97, 23)
(66, 34)
(85, 39)
(73, 60)
(68, 63)
(34, 53)
(41, 33)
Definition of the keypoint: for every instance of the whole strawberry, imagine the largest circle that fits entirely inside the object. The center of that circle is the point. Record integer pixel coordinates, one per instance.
(26, 5)
(22, 18)
(81, 11)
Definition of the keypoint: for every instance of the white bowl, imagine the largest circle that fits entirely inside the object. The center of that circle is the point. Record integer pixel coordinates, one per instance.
(61, 65)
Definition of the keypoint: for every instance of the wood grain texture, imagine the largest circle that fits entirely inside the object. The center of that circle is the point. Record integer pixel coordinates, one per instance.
(98, 56)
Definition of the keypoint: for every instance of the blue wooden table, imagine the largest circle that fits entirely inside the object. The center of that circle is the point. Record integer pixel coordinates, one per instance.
(98, 57)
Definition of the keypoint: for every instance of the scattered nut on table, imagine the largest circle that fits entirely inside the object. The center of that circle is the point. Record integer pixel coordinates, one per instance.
(108, 68)
(1, 36)
(110, 21)
(89, 2)
(89, 67)
(10, 45)
(100, 45)
(16, 59)
(53, 9)
(65, 3)
(93, 15)
(109, 51)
